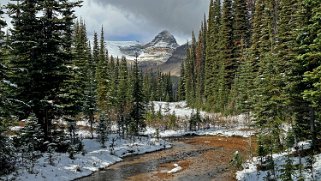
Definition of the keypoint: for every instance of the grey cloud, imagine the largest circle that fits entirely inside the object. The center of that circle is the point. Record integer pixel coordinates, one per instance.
(181, 16)
(144, 18)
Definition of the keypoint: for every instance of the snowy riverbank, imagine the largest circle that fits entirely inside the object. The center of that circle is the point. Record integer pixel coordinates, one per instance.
(251, 173)
(95, 158)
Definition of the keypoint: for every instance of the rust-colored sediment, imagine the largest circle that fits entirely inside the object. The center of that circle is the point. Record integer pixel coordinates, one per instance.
(204, 163)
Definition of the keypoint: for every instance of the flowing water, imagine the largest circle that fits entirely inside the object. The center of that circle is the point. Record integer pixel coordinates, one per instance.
(201, 158)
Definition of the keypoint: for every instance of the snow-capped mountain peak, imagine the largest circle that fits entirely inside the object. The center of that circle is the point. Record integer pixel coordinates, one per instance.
(158, 50)
(163, 40)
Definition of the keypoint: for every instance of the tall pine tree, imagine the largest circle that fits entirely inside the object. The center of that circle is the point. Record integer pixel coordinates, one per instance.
(138, 109)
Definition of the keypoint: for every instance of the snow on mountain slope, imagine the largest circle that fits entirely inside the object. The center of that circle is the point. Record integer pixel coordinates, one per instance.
(159, 50)
(116, 48)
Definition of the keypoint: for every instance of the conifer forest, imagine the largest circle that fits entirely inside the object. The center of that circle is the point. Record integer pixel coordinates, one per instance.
(250, 75)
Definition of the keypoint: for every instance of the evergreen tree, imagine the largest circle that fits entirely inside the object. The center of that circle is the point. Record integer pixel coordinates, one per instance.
(90, 90)
(102, 130)
(96, 50)
(102, 77)
(241, 41)
(7, 150)
(169, 97)
(32, 135)
(181, 84)
(138, 109)
(212, 52)
(41, 52)
(147, 86)
(245, 89)
(71, 93)
(195, 119)
(257, 24)
(123, 97)
(241, 27)
(309, 57)
(226, 44)
(297, 106)
(114, 87)
(82, 63)
(269, 108)
(199, 69)
(5, 108)
(190, 72)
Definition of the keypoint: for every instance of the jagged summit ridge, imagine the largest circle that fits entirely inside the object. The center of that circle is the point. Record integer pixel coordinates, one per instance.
(163, 40)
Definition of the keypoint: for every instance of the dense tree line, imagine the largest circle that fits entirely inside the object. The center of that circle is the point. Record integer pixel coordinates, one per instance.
(50, 70)
(262, 58)
(159, 87)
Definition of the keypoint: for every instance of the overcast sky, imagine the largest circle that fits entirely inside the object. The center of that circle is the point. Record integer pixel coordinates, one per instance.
(142, 19)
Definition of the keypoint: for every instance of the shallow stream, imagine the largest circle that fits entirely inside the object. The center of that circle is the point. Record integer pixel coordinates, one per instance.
(201, 158)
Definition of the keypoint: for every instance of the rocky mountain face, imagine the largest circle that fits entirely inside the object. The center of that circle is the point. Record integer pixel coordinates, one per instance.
(162, 53)
(163, 40)
(160, 49)
(172, 65)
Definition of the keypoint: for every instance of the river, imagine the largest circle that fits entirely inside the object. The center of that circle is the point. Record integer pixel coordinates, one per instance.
(200, 157)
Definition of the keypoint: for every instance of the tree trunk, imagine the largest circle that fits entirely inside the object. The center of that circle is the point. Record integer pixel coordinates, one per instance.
(312, 128)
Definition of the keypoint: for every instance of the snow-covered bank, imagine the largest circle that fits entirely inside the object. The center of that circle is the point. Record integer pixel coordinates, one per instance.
(251, 173)
(218, 124)
(182, 111)
(219, 131)
(96, 158)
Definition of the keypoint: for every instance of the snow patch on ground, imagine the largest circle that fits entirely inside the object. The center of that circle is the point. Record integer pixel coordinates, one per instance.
(234, 125)
(16, 128)
(96, 158)
(176, 169)
(250, 172)
(182, 111)
(219, 131)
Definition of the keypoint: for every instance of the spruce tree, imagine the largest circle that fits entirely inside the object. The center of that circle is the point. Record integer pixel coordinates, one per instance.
(102, 77)
(287, 51)
(5, 110)
(245, 90)
(241, 40)
(226, 44)
(255, 48)
(199, 69)
(309, 57)
(190, 77)
(81, 63)
(89, 106)
(225, 65)
(96, 50)
(113, 74)
(42, 51)
(102, 130)
(241, 26)
(71, 93)
(7, 150)
(123, 96)
(212, 59)
(32, 135)
(138, 109)
(181, 84)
